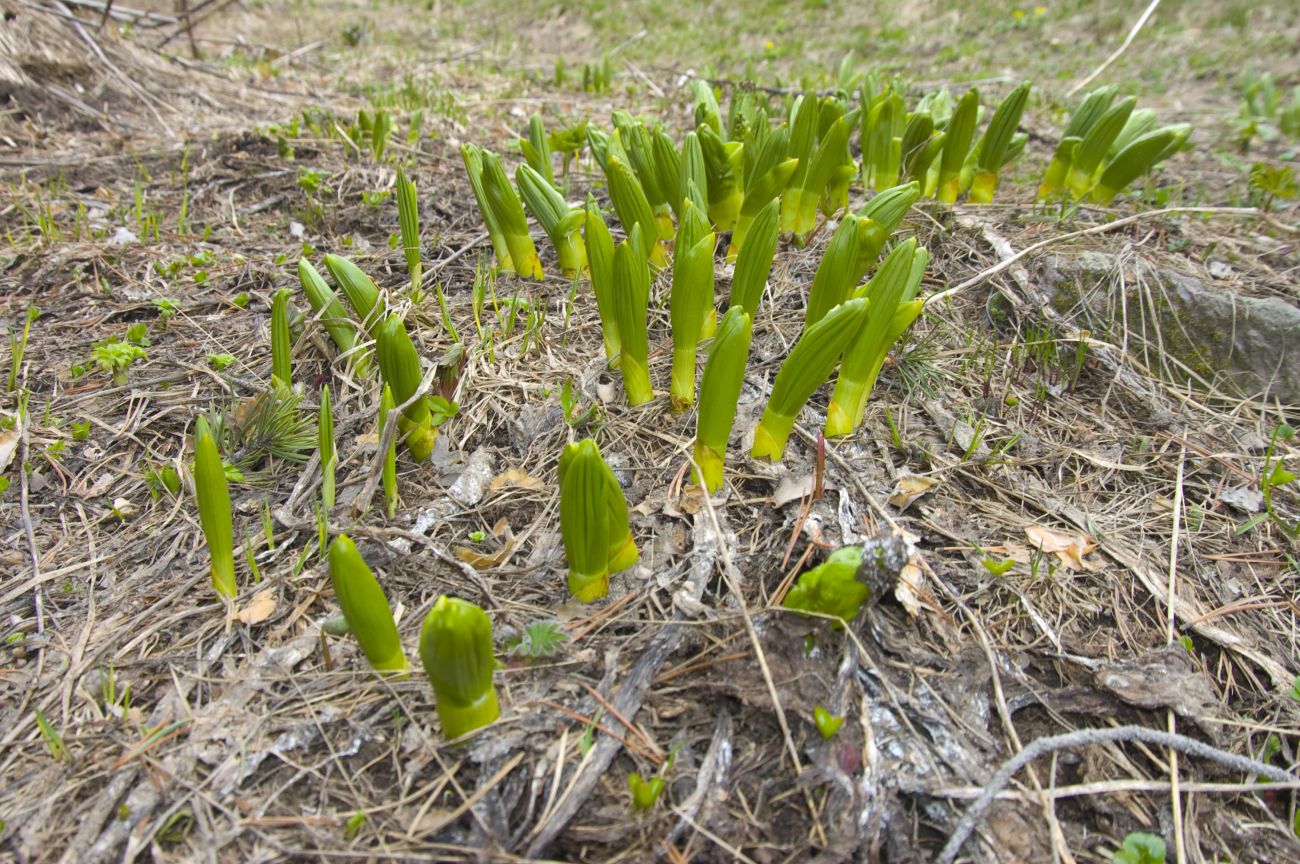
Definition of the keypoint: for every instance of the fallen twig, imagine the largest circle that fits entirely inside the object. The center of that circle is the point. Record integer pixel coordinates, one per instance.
(1085, 738)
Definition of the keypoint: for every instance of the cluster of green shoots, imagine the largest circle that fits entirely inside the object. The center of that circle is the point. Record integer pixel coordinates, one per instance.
(456, 638)
(1108, 144)
(682, 197)
(1266, 112)
(455, 642)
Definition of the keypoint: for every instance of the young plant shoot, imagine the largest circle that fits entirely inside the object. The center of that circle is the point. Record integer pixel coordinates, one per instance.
(722, 163)
(400, 366)
(887, 209)
(832, 587)
(600, 262)
(724, 373)
(560, 222)
(408, 217)
(691, 300)
(631, 294)
(634, 210)
(537, 149)
(386, 405)
(754, 262)
(212, 492)
(809, 364)
(766, 182)
(956, 146)
(509, 215)
(456, 650)
(360, 289)
(593, 521)
(827, 164)
(325, 446)
(994, 149)
(365, 607)
(281, 344)
(841, 268)
(325, 304)
(892, 310)
(473, 158)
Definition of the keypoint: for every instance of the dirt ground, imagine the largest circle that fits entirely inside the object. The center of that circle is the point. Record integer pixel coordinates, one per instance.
(1081, 557)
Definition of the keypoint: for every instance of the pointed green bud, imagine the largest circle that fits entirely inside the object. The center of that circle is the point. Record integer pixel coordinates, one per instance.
(456, 650)
(360, 289)
(365, 607)
(810, 362)
(724, 375)
(593, 521)
(212, 493)
(325, 304)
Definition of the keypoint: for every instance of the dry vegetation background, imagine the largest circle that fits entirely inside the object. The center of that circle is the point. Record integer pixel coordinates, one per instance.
(153, 154)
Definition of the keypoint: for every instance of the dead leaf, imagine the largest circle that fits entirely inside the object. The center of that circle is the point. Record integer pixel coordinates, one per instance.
(1070, 548)
(483, 561)
(911, 582)
(1241, 498)
(910, 487)
(8, 446)
(258, 609)
(910, 587)
(797, 488)
(516, 477)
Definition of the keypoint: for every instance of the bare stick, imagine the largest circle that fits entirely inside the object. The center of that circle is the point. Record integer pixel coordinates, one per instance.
(1176, 801)
(1084, 738)
(1128, 40)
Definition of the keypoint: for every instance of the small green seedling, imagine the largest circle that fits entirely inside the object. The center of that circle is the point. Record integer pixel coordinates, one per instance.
(355, 823)
(996, 567)
(138, 334)
(1141, 848)
(827, 723)
(53, 740)
(1275, 475)
(18, 347)
(540, 639)
(115, 357)
(645, 793)
(831, 588)
(221, 361)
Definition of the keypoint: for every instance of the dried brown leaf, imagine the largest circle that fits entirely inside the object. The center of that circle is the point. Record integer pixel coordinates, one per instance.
(910, 487)
(516, 477)
(1070, 548)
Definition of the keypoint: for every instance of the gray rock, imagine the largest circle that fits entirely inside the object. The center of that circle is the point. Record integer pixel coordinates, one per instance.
(1245, 345)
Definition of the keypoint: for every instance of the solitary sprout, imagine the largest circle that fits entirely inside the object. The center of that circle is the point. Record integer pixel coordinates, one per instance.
(456, 650)
(365, 607)
(593, 521)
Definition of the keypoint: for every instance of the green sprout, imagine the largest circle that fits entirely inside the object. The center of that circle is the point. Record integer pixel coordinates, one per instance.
(827, 723)
(540, 639)
(645, 792)
(593, 521)
(456, 650)
(116, 357)
(1141, 848)
(365, 607)
(832, 588)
